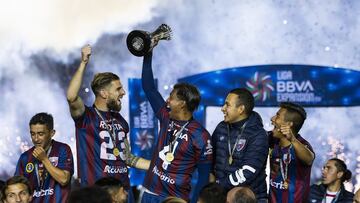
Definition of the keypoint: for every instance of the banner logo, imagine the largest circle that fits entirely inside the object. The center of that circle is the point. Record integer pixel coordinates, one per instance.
(260, 86)
(294, 89)
(144, 140)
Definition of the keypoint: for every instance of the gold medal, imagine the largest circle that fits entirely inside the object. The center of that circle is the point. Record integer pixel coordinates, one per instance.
(116, 151)
(286, 185)
(169, 157)
(230, 160)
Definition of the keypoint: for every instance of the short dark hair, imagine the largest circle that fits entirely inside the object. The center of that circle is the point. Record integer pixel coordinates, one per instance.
(17, 180)
(188, 93)
(295, 113)
(245, 98)
(111, 184)
(102, 80)
(245, 195)
(341, 167)
(2, 185)
(89, 194)
(213, 193)
(43, 119)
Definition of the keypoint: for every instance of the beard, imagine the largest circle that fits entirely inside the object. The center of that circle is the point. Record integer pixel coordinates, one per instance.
(113, 105)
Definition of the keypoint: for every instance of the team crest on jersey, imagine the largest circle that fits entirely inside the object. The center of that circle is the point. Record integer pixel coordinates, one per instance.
(287, 158)
(240, 144)
(29, 167)
(54, 160)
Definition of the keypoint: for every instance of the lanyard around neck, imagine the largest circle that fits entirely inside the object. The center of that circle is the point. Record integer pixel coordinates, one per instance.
(231, 151)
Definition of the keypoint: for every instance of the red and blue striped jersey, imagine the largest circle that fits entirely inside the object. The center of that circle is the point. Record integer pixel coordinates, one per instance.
(51, 191)
(95, 146)
(192, 147)
(298, 174)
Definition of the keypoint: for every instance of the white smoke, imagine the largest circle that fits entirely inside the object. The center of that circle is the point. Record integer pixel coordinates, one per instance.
(52, 28)
(63, 24)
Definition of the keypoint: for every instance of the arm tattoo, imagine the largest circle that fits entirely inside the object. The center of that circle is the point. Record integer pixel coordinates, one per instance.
(131, 160)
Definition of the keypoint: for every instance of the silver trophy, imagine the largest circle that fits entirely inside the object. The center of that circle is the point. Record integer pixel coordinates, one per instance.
(141, 42)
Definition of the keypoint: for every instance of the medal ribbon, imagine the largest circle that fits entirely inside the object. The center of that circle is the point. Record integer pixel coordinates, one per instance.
(284, 171)
(176, 135)
(231, 151)
(41, 180)
(112, 133)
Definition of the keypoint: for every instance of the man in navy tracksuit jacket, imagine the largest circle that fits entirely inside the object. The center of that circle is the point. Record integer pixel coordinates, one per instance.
(241, 145)
(332, 189)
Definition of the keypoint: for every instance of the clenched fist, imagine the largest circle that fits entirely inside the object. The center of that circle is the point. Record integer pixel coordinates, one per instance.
(85, 53)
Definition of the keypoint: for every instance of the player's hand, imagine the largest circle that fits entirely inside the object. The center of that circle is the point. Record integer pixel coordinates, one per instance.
(286, 130)
(39, 153)
(85, 53)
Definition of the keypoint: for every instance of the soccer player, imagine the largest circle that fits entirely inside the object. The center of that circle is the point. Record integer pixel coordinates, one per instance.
(2, 185)
(212, 193)
(332, 189)
(183, 144)
(291, 156)
(17, 189)
(48, 165)
(89, 194)
(101, 132)
(114, 187)
(241, 145)
(241, 195)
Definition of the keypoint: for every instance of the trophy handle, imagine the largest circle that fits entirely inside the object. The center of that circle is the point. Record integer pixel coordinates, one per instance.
(163, 32)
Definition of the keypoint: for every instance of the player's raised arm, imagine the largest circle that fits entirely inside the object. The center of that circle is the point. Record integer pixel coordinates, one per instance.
(76, 104)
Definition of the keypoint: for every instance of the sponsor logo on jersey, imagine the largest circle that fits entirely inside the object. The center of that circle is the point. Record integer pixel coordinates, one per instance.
(164, 177)
(42, 192)
(277, 185)
(115, 169)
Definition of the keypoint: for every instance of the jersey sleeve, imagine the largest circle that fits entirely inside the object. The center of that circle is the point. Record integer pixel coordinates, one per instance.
(202, 144)
(20, 167)
(80, 122)
(66, 161)
(148, 85)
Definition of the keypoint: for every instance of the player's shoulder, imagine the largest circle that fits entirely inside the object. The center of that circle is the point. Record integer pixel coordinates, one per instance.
(58, 145)
(199, 132)
(27, 153)
(303, 140)
(197, 126)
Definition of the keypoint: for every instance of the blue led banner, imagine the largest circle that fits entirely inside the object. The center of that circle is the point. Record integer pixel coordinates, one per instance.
(143, 127)
(271, 84)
